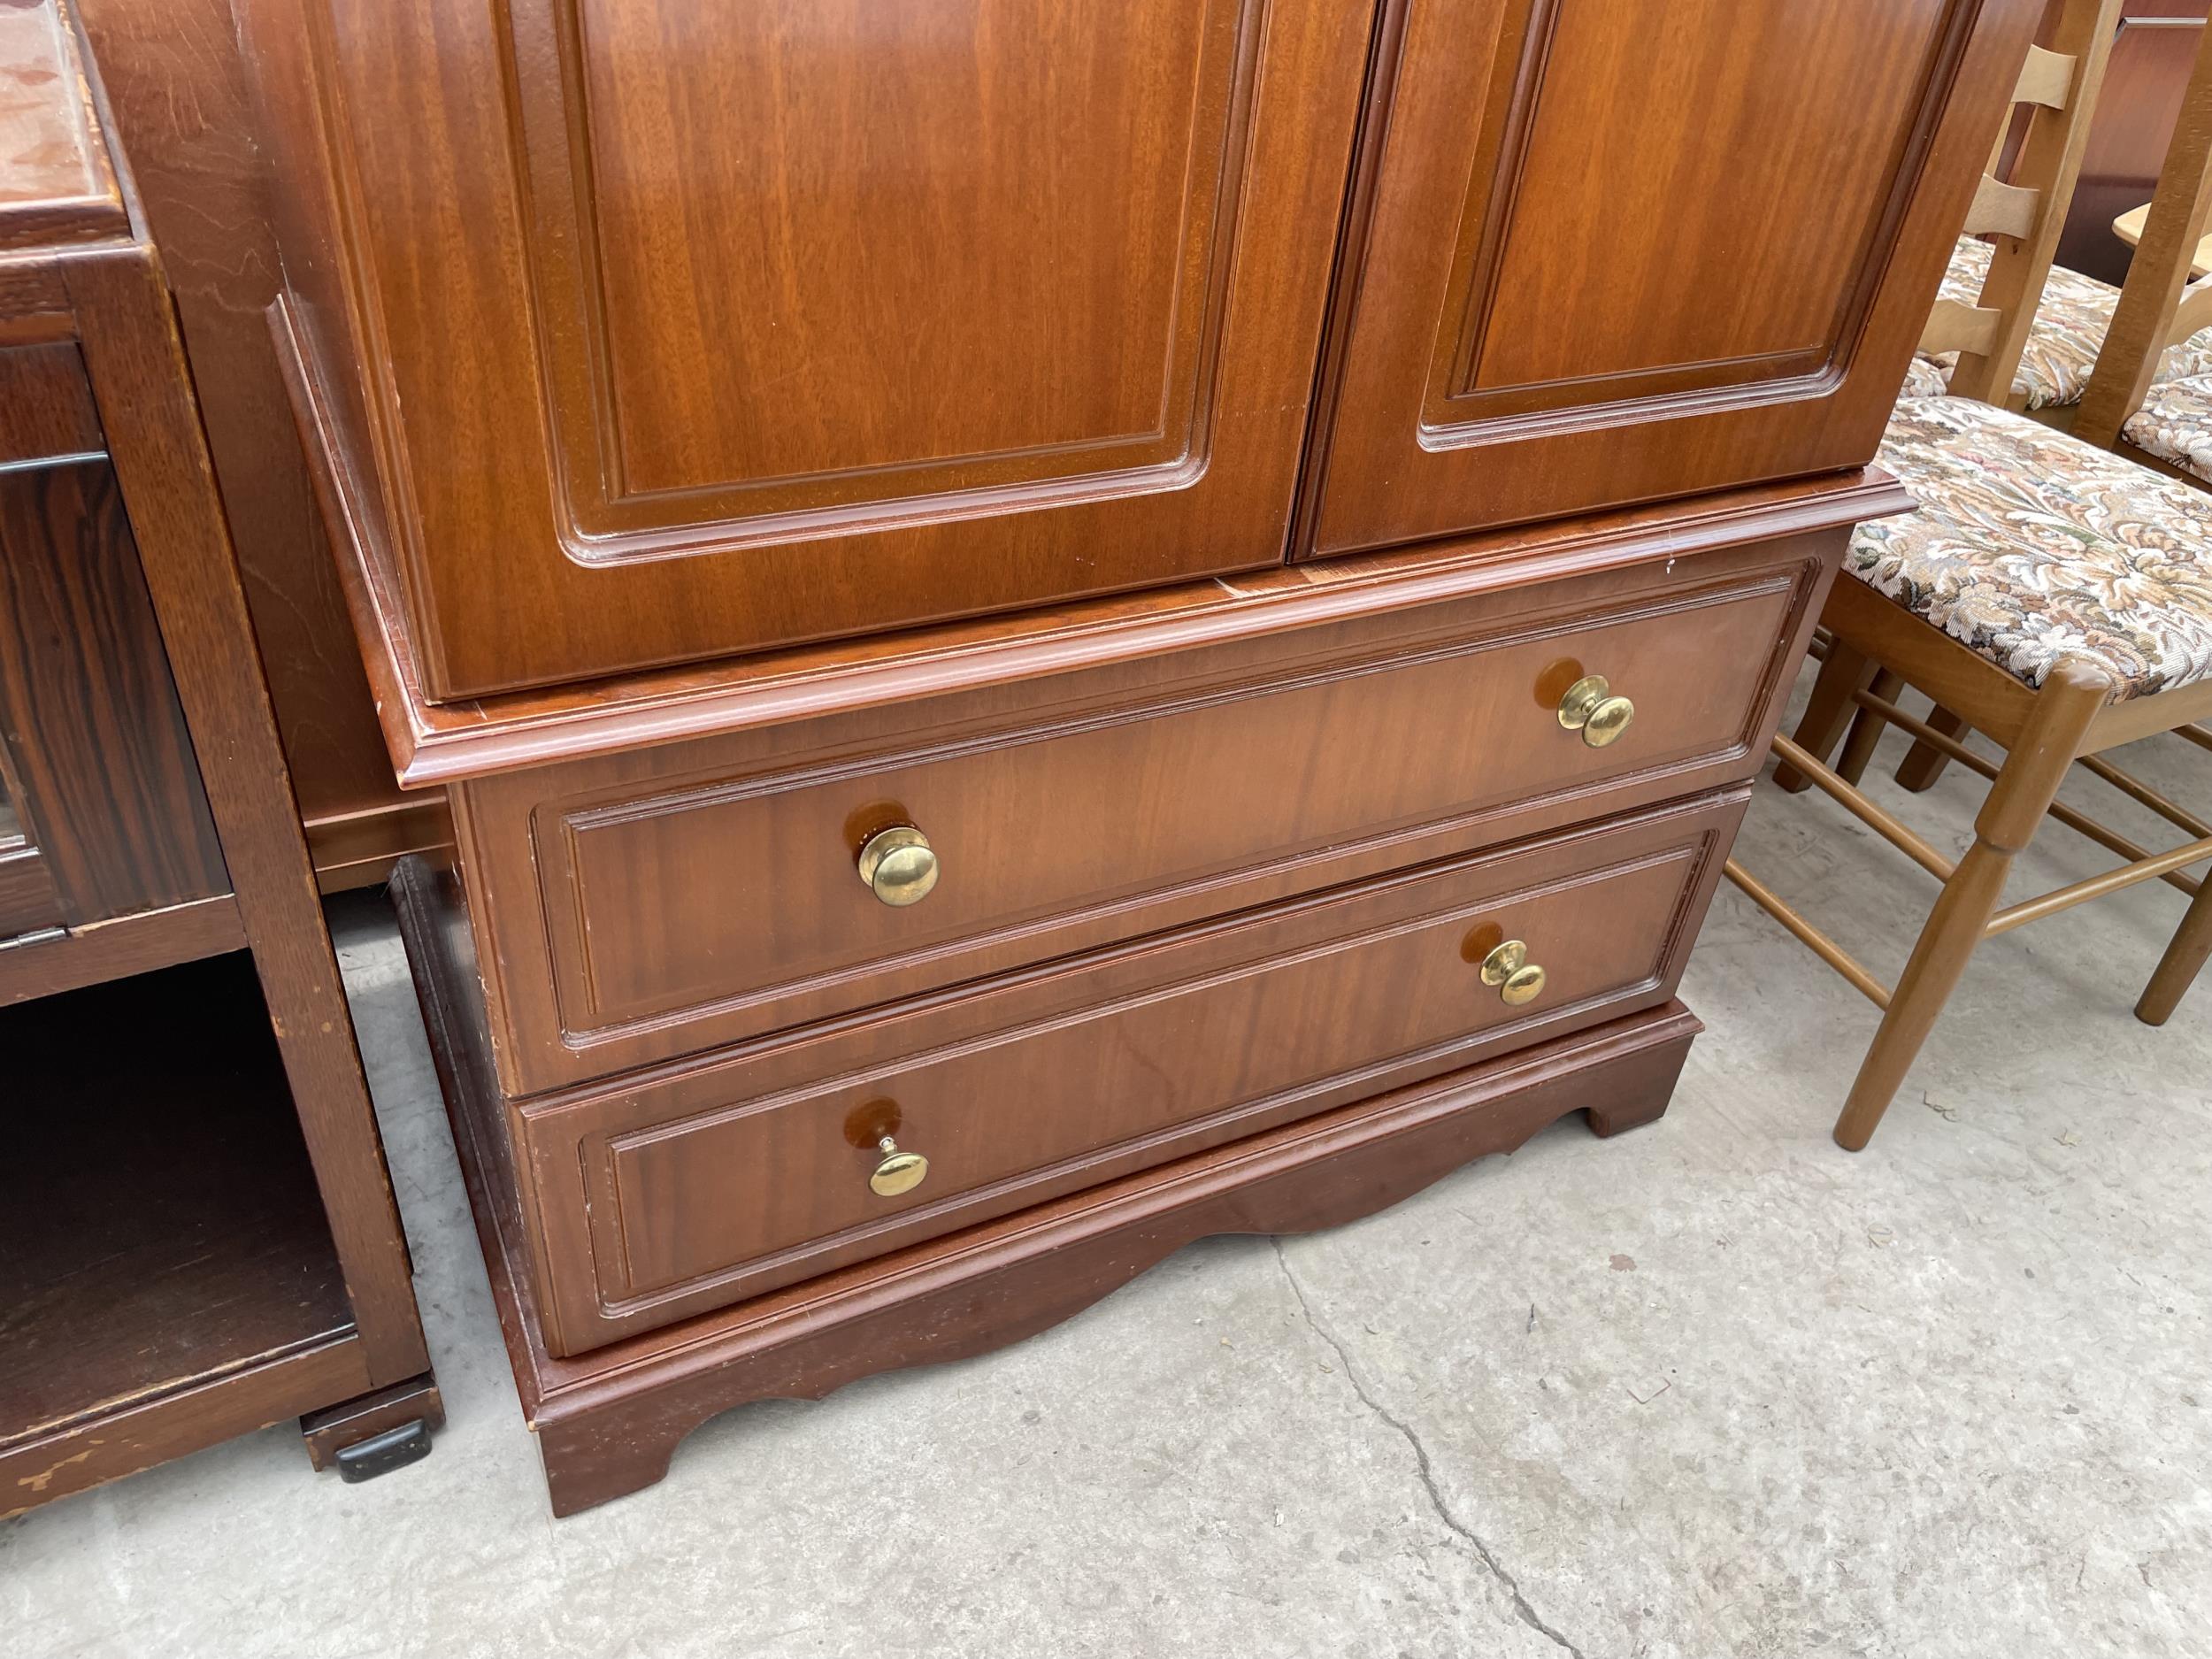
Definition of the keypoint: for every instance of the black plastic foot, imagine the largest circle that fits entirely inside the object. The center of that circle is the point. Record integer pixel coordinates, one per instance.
(380, 1454)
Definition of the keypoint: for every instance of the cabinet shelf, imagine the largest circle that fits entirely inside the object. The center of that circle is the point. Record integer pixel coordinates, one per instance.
(166, 1231)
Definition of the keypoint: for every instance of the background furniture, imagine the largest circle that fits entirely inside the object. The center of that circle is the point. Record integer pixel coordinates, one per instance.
(199, 1237)
(2155, 43)
(1067, 626)
(2129, 228)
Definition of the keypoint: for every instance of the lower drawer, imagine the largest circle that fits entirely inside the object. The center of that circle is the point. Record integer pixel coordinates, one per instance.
(753, 1169)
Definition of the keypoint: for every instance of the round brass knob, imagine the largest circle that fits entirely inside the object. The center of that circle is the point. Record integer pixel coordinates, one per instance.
(899, 865)
(1517, 978)
(899, 1171)
(1591, 709)
(1525, 986)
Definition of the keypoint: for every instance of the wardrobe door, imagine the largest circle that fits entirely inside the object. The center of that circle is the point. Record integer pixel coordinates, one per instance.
(1605, 251)
(652, 330)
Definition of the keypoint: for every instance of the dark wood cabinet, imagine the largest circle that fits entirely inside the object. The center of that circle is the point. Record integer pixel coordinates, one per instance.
(199, 1237)
(1054, 627)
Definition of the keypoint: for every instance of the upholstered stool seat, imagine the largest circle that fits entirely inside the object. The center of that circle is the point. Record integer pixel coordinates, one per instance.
(2030, 546)
(2069, 330)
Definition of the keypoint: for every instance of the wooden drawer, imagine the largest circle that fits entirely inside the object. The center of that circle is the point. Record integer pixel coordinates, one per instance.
(693, 1191)
(638, 907)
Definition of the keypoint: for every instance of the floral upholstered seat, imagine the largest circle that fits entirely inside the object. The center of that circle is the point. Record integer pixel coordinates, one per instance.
(2174, 424)
(2030, 546)
(2069, 326)
(1925, 377)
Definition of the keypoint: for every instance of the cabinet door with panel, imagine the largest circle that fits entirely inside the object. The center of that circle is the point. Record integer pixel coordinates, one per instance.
(642, 331)
(1604, 251)
(101, 813)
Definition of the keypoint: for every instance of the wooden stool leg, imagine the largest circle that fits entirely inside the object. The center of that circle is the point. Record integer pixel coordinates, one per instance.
(1867, 730)
(1920, 769)
(2177, 968)
(1826, 710)
(2019, 799)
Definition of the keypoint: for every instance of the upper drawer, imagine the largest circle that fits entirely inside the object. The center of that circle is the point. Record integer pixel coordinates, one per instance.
(1618, 250)
(646, 330)
(649, 905)
(667, 1197)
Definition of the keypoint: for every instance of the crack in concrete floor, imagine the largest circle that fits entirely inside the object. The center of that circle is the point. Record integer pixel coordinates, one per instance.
(1522, 1608)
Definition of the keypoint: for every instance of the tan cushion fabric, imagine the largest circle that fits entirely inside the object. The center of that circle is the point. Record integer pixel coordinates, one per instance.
(2030, 546)
(2069, 330)
(2174, 424)
(1926, 378)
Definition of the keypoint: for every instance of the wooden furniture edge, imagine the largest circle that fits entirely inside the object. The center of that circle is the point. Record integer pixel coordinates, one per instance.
(331, 1429)
(133, 356)
(258, 1395)
(360, 849)
(608, 1421)
(434, 743)
(121, 945)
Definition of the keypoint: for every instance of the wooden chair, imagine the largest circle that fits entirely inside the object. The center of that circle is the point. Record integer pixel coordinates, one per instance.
(2134, 403)
(2055, 323)
(2149, 391)
(2054, 597)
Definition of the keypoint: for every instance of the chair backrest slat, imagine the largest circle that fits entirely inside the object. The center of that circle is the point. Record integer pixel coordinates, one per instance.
(2002, 210)
(1963, 328)
(2025, 212)
(2046, 79)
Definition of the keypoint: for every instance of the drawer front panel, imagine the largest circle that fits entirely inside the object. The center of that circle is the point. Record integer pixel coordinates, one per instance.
(754, 1172)
(673, 919)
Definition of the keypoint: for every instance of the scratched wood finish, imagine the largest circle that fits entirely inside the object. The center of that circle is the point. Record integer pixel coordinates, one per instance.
(1557, 293)
(57, 183)
(733, 1179)
(95, 737)
(658, 333)
(702, 893)
(136, 1258)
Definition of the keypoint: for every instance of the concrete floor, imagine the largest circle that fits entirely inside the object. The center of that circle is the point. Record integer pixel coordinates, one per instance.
(1714, 1388)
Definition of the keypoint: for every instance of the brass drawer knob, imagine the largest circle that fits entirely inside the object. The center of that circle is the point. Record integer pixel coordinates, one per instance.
(1517, 980)
(1591, 709)
(899, 1171)
(899, 865)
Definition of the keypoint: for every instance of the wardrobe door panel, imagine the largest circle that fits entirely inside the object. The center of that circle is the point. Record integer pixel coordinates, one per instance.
(1612, 250)
(661, 331)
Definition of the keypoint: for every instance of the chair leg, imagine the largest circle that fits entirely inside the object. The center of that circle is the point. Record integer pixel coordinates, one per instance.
(2022, 794)
(1920, 769)
(1867, 730)
(1826, 710)
(2177, 968)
